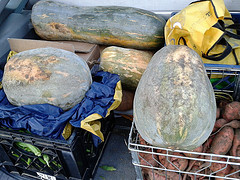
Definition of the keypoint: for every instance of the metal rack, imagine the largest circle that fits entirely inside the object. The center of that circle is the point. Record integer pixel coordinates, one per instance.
(224, 73)
(146, 157)
(139, 151)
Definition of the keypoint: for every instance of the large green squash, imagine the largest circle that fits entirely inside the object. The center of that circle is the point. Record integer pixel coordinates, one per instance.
(174, 104)
(128, 63)
(109, 25)
(46, 75)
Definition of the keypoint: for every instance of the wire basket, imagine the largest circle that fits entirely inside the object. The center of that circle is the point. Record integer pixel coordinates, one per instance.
(165, 162)
(162, 163)
(225, 78)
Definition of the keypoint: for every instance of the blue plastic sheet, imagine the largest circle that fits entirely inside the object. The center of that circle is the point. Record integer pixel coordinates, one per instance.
(49, 121)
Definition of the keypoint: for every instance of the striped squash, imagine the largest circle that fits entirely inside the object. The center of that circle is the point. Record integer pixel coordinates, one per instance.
(46, 75)
(108, 25)
(128, 63)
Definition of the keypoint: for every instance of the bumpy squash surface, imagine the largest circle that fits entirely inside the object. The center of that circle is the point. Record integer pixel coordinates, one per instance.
(174, 104)
(128, 63)
(109, 25)
(46, 75)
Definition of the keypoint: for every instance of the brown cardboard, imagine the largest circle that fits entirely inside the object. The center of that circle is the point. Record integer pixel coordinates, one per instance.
(102, 47)
(89, 52)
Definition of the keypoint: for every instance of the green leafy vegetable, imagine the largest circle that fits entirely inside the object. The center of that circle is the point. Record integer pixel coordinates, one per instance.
(36, 151)
(42, 161)
(102, 177)
(88, 150)
(108, 168)
(16, 155)
(56, 164)
(29, 148)
(46, 159)
(29, 161)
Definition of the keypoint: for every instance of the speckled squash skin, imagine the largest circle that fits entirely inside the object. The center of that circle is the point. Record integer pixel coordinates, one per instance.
(128, 63)
(46, 75)
(174, 104)
(108, 25)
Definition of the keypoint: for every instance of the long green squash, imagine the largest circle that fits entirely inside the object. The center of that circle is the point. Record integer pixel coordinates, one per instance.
(174, 104)
(108, 25)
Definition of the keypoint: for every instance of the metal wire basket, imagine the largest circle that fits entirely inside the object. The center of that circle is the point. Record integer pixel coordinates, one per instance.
(150, 158)
(225, 78)
(162, 163)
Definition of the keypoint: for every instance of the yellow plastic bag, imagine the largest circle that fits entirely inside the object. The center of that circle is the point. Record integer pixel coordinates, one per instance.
(206, 27)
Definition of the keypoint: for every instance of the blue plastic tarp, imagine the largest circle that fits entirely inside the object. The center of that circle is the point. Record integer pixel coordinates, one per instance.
(49, 121)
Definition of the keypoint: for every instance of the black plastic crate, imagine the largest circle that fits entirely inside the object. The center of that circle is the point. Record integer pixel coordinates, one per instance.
(76, 158)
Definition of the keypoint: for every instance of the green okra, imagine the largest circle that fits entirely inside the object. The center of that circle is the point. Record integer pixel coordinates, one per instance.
(29, 148)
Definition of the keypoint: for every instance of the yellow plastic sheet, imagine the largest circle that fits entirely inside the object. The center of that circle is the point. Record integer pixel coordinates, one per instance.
(92, 125)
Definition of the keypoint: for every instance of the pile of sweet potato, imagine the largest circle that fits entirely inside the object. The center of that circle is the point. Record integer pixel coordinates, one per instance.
(224, 140)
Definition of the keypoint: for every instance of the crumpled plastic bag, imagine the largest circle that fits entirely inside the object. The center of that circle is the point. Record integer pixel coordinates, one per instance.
(46, 120)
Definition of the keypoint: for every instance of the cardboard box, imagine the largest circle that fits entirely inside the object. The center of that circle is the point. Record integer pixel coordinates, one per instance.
(89, 52)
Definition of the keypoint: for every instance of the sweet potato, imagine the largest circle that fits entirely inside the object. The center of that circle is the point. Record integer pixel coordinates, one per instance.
(198, 149)
(180, 163)
(150, 174)
(148, 159)
(207, 144)
(194, 169)
(223, 173)
(236, 142)
(218, 166)
(218, 113)
(236, 167)
(233, 124)
(161, 175)
(231, 111)
(219, 123)
(222, 142)
(238, 152)
(190, 165)
(235, 174)
(142, 141)
(162, 158)
(171, 162)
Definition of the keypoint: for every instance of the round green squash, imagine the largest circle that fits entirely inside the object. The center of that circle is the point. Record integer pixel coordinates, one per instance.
(128, 63)
(108, 25)
(46, 75)
(174, 104)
